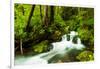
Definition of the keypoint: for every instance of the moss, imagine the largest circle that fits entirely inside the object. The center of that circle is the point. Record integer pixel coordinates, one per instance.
(57, 35)
(40, 47)
(85, 56)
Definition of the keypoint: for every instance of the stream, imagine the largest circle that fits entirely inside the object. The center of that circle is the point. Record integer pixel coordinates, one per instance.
(61, 48)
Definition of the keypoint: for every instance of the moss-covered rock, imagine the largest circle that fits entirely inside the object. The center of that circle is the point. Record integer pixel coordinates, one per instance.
(40, 47)
(85, 56)
(56, 36)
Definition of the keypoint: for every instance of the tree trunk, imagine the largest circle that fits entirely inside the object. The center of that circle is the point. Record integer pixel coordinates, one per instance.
(46, 18)
(41, 12)
(79, 10)
(51, 14)
(21, 47)
(29, 18)
(23, 11)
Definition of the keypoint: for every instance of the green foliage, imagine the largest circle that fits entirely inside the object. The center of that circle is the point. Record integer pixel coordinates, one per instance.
(59, 21)
(41, 47)
(68, 12)
(85, 56)
(20, 20)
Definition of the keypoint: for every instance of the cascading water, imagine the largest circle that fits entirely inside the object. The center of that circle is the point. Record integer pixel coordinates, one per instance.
(64, 38)
(58, 48)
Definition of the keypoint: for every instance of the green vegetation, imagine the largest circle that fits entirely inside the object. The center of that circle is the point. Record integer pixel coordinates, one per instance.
(85, 56)
(36, 26)
(40, 47)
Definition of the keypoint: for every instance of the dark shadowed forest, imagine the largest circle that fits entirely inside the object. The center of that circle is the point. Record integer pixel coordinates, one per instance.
(36, 27)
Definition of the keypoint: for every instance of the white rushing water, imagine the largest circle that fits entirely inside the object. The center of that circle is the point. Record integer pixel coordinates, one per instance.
(58, 48)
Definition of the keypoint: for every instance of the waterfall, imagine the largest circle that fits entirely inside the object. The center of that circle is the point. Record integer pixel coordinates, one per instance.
(72, 35)
(64, 38)
(58, 48)
(79, 41)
